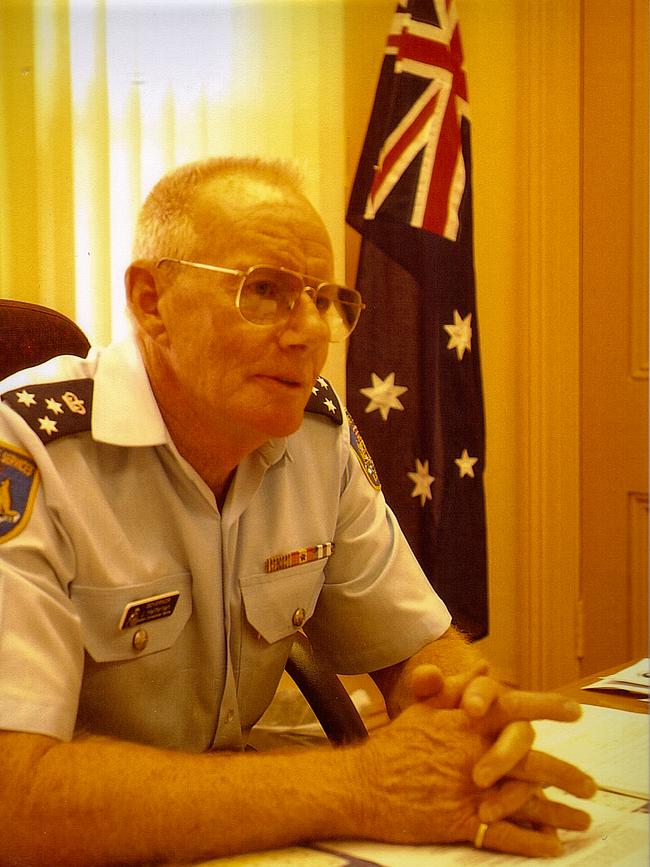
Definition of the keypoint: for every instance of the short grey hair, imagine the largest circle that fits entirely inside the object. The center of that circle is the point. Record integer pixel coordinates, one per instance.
(165, 224)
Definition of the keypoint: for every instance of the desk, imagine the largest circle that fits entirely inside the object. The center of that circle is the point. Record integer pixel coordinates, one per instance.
(603, 699)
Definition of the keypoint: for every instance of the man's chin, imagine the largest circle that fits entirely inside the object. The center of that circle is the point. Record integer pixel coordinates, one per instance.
(280, 423)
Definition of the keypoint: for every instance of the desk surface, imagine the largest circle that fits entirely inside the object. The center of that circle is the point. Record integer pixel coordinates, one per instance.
(618, 701)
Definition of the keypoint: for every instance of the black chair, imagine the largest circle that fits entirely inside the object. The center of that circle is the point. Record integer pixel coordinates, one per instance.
(31, 334)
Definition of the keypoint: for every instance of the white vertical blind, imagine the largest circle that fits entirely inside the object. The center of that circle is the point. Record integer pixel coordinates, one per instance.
(155, 84)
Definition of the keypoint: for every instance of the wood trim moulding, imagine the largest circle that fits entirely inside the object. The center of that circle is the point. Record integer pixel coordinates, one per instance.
(550, 136)
(638, 327)
(637, 573)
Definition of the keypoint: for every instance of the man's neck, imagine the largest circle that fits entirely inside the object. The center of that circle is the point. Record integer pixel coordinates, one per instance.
(214, 454)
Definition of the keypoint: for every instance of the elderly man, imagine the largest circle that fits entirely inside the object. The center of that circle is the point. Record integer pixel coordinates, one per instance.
(181, 504)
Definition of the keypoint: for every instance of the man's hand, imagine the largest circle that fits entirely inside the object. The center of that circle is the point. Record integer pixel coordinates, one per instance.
(421, 787)
(510, 758)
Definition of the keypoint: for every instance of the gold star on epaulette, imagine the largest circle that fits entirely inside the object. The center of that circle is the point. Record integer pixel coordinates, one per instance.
(323, 401)
(54, 409)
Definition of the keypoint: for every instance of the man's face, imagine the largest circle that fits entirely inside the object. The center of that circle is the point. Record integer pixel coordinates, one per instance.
(248, 377)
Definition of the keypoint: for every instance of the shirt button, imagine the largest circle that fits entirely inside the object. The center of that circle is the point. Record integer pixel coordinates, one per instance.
(298, 618)
(140, 640)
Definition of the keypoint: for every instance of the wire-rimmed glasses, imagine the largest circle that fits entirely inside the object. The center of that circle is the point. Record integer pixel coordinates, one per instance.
(266, 296)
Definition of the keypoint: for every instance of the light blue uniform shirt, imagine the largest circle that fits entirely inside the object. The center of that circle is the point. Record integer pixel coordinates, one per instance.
(114, 516)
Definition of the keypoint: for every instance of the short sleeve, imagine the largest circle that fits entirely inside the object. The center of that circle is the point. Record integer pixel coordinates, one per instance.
(376, 607)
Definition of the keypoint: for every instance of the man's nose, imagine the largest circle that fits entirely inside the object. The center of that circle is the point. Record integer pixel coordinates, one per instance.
(305, 325)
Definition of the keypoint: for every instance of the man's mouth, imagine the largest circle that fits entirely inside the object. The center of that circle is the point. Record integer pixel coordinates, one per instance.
(281, 380)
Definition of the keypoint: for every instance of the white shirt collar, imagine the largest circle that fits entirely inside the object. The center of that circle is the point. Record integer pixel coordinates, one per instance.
(125, 412)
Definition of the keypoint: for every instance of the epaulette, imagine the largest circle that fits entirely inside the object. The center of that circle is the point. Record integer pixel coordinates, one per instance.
(54, 409)
(323, 401)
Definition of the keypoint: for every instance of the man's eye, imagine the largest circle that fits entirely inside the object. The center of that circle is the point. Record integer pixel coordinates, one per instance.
(265, 289)
(323, 303)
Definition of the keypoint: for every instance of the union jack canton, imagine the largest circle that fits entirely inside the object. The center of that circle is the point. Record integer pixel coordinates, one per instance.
(428, 99)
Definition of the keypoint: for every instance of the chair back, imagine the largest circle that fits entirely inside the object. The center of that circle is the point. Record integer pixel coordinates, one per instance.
(31, 334)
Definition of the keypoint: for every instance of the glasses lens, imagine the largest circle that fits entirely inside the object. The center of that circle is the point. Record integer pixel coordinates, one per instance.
(340, 308)
(268, 294)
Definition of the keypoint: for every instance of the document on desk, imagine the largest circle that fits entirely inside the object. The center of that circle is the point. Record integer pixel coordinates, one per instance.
(633, 680)
(611, 745)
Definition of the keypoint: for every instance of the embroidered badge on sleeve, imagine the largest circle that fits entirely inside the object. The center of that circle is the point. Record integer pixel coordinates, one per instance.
(54, 409)
(362, 453)
(18, 487)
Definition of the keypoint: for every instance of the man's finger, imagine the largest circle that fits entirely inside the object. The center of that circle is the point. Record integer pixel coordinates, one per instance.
(545, 812)
(426, 681)
(537, 767)
(507, 752)
(519, 704)
(504, 800)
(507, 837)
(480, 695)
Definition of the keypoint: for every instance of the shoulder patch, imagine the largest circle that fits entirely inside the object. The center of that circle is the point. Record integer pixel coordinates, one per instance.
(54, 409)
(18, 486)
(362, 453)
(323, 401)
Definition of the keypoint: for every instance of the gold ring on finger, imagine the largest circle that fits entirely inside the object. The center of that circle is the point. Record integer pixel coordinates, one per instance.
(480, 835)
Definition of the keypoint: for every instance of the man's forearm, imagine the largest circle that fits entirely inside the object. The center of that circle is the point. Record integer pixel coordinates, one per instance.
(452, 653)
(102, 802)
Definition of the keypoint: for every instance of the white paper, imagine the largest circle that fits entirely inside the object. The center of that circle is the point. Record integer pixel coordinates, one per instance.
(634, 680)
(611, 745)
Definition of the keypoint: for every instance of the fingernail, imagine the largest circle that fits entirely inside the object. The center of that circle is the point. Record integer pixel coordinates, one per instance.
(590, 788)
(573, 708)
(482, 777)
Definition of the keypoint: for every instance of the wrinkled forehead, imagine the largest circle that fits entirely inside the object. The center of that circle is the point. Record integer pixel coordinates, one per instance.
(249, 214)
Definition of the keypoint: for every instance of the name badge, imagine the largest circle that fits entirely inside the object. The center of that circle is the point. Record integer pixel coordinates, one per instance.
(151, 608)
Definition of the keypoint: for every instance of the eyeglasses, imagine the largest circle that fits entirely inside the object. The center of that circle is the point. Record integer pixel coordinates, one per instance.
(267, 295)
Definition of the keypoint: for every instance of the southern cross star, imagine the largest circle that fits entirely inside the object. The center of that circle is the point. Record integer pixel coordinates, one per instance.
(460, 334)
(422, 481)
(465, 464)
(384, 395)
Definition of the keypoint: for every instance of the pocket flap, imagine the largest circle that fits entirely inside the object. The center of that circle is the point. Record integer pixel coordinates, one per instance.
(277, 604)
(108, 638)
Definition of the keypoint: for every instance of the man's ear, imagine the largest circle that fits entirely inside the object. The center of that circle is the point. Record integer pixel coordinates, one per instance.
(142, 283)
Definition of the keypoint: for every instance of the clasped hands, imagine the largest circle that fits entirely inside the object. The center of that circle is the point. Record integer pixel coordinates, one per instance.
(514, 815)
(486, 781)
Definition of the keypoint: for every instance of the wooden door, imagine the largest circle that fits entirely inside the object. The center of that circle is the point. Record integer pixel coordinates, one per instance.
(614, 366)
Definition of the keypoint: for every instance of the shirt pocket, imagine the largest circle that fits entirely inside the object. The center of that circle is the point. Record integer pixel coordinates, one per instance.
(101, 610)
(278, 604)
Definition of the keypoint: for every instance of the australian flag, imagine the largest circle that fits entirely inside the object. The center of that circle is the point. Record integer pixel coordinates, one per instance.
(414, 379)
